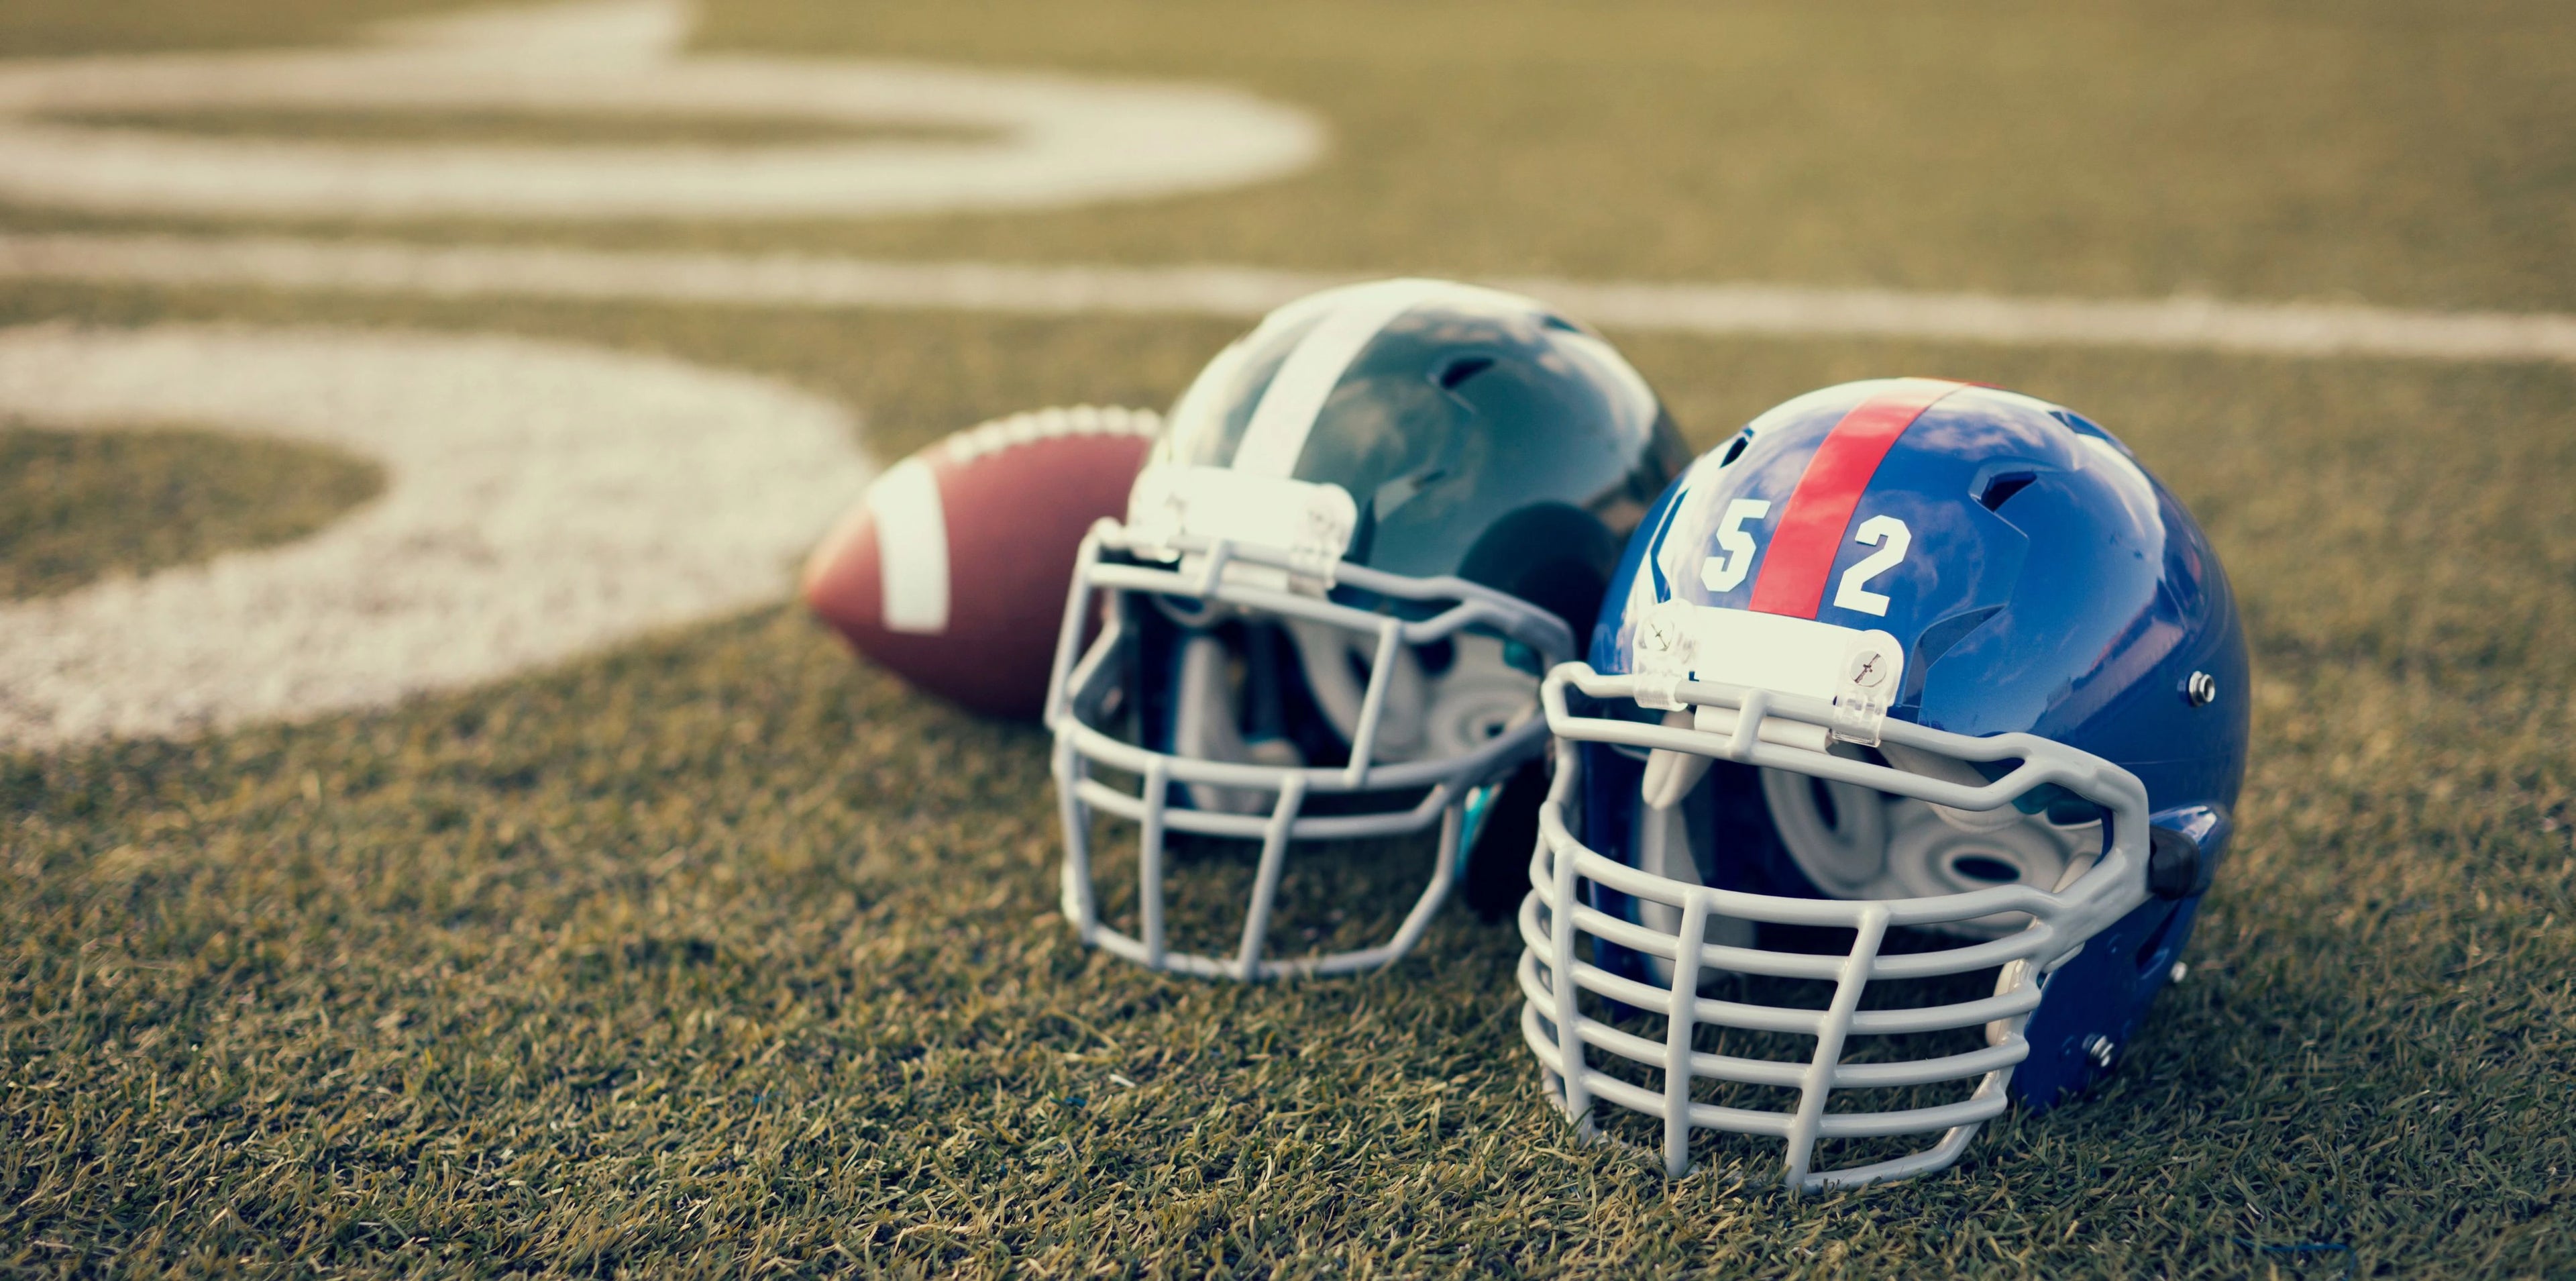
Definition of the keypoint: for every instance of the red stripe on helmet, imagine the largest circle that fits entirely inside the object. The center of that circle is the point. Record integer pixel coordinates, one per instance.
(1811, 531)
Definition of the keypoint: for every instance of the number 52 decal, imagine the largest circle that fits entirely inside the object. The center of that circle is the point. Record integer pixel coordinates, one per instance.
(1891, 538)
(1725, 572)
(1736, 549)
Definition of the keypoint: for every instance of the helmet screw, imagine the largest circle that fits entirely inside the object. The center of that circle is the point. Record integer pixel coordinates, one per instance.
(2102, 1051)
(2201, 690)
(1656, 634)
(2175, 975)
(1868, 669)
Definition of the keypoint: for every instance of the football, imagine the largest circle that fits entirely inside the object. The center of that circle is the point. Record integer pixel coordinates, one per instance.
(951, 570)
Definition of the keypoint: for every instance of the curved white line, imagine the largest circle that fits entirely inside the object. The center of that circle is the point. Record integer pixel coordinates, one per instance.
(542, 499)
(2286, 329)
(1059, 139)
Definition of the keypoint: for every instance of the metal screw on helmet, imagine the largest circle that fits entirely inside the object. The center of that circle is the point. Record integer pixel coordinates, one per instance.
(2102, 1051)
(1656, 635)
(2176, 974)
(1868, 669)
(2201, 690)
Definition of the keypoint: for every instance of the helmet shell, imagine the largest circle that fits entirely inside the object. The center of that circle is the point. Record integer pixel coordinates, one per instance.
(2047, 584)
(2051, 584)
(1479, 433)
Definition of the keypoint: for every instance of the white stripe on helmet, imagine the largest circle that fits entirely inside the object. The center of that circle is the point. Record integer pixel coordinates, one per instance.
(1288, 409)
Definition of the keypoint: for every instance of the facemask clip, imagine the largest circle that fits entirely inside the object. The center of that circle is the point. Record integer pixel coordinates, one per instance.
(1665, 651)
(1868, 684)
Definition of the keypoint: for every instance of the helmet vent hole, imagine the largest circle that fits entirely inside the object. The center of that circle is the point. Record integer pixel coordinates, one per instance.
(1824, 799)
(1981, 867)
(2001, 489)
(1735, 450)
(1459, 371)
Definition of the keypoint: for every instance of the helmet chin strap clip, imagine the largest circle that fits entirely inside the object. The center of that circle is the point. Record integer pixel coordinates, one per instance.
(1868, 684)
(1665, 651)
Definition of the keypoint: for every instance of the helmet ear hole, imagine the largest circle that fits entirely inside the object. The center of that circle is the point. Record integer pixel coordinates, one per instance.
(1852, 842)
(1835, 832)
(1823, 799)
(1981, 867)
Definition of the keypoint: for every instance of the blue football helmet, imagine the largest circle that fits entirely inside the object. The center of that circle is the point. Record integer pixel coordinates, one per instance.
(1909, 740)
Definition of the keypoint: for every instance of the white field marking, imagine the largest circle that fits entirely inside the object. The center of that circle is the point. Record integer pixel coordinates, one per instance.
(832, 283)
(1059, 140)
(541, 499)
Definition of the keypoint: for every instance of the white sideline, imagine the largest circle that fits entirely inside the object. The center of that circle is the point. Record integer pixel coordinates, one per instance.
(834, 283)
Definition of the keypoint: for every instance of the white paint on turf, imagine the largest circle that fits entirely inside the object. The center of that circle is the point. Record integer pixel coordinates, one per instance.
(542, 499)
(1056, 139)
(546, 499)
(2283, 329)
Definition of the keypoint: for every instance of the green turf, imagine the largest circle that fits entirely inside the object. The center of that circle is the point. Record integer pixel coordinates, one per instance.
(724, 949)
(2396, 151)
(78, 505)
(62, 28)
(721, 952)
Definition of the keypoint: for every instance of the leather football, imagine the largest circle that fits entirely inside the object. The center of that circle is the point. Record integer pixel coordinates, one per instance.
(952, 569)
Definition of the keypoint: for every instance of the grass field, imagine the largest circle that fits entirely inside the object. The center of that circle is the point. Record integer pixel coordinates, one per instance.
(718, 953)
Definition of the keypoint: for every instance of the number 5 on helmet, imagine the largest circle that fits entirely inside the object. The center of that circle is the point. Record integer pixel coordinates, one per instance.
(1909, 738)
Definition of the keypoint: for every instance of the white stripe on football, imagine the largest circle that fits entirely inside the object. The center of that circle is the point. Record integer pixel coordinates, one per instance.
(951, 569)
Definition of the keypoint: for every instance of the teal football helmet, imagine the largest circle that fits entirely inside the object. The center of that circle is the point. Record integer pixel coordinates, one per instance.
(1369, 527)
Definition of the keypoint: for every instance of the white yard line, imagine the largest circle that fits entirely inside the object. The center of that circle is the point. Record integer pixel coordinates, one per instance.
(545, 498)
(542, 499)
(1056, 139)
(832, 283)
(1052, 139)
